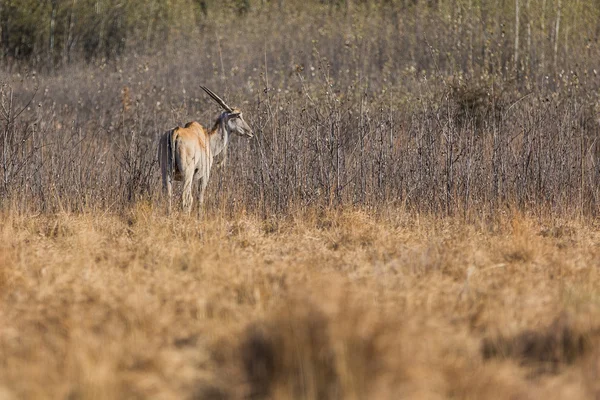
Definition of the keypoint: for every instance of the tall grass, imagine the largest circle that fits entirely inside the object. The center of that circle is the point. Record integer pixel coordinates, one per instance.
(322, 304)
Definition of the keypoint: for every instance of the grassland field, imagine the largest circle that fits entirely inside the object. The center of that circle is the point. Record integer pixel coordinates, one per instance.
(321, 304)
(416, 217)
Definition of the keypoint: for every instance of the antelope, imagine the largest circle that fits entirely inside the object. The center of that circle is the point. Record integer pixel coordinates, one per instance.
(186, 154)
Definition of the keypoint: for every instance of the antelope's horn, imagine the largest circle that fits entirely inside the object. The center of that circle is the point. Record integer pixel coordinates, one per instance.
(217, 99)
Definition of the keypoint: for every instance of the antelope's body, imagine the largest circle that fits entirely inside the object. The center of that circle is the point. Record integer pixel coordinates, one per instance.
(186, 154)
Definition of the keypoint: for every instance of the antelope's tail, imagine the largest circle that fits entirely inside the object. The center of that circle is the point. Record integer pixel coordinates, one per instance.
(170, 153)
(166, 154)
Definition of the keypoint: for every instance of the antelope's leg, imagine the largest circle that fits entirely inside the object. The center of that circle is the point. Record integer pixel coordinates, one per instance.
(203, 182)
(199, 196)
(203, 186)
(169, 190)
(201, 190)
(187, 190)
(167, 183)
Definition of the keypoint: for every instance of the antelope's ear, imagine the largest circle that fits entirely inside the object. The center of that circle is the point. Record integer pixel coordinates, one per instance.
(234, 114)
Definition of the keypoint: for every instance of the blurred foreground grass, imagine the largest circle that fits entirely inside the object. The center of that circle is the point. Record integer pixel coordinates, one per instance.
(320, 304)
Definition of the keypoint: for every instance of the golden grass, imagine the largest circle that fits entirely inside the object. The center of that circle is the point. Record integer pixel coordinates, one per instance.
(318, 305)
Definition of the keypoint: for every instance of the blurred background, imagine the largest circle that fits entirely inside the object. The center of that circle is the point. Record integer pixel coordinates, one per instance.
(444, 106)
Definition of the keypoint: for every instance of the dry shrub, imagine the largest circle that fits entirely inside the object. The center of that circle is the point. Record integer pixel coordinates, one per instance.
(342, 115)
(292, 355)
(558, 231)
(476, 101)
(559, 343)
(521, 248)
(301, 351)
(352, 230)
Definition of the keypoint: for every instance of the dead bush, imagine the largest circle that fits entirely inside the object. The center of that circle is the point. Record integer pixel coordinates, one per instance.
(302, 352)
(559, 343)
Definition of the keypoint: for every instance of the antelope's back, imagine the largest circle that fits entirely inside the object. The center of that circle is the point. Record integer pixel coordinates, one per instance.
(193, 136)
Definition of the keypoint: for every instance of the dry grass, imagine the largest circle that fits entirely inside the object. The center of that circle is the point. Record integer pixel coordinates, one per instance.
(318, 305)
(364, 245)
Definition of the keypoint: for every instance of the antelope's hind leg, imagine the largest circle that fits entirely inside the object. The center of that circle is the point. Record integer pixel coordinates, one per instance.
(186, 195)
(168, 192)
(167, 183)
(202, 184)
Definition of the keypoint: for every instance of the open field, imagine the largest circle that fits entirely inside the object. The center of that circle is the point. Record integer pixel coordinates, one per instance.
(417, 215)
(320, 304)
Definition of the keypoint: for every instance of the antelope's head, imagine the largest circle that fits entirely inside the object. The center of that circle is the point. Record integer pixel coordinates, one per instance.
(236, 123)
(232, 116)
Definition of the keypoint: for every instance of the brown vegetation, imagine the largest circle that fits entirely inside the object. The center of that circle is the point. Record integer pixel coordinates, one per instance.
(365, 103)
(330, 304)
(415, 218)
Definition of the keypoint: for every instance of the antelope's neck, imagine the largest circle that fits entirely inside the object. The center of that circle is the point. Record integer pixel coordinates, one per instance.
(219, 137)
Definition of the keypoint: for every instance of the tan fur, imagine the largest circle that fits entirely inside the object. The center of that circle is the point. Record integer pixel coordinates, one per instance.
(186, 153)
